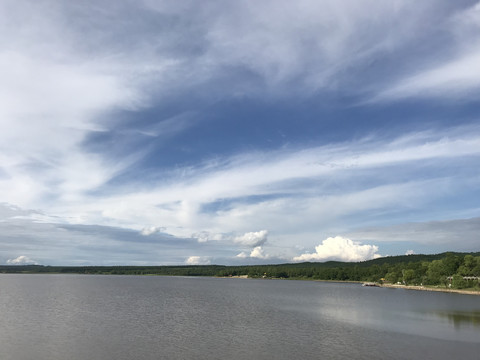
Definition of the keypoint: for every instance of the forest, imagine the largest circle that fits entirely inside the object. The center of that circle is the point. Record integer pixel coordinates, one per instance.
(450, 269)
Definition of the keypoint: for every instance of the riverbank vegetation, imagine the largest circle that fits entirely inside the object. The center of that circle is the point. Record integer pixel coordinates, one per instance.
(449, 270)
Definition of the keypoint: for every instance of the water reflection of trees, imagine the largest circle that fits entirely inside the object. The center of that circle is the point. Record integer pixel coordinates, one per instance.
(461, 318)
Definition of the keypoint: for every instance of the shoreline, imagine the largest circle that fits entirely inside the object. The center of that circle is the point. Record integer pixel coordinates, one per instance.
(424, 288)
(388, 286)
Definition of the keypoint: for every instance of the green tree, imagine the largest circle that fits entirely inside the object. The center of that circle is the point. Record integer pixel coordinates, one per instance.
(458, 282)
(392, 277)
(436, 272)
(451, 263)
(408, 276)
(469, 262)
(476, 268)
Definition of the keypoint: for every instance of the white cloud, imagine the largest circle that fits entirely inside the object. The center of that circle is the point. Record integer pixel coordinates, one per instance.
(341, 249)
(66, 244)
(152, 230)
(454, 79)
(51, 100)
(252, 239)
(456, 74)
(312, 43)
(55, 94)
(257, 253)
(302, 178)
(68, 93)
(197, 260)
(21, 260)
(204, 236)
(409, 252)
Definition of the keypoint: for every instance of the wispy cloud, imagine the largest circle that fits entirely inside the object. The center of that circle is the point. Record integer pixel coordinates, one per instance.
(458, 79)
(455, 76)
(308, 190)
(302, 198)
(101, 120)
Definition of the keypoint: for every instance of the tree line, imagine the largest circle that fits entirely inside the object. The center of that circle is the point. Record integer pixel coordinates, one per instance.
(457, 270)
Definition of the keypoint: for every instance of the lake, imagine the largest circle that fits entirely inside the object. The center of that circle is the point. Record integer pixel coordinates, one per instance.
(154, 317)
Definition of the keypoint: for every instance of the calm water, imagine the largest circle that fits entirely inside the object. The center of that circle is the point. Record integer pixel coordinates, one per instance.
(129, 317)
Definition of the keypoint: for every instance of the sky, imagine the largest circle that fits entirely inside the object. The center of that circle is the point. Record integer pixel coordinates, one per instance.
(246, 132)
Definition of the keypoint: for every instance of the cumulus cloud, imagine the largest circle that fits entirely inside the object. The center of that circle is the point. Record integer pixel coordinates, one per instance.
(146, 231)
(257, 253)
(341, 249)
(409, 252)
(252, 239)
(198, 260)
(21, 260)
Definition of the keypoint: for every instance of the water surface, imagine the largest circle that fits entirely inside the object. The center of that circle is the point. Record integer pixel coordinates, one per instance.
(153, 317)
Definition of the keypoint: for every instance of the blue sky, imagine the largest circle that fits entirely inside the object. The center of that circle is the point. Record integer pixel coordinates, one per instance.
(187, 132)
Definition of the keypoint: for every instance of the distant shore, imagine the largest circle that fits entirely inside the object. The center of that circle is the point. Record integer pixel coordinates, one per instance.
(425, 288)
